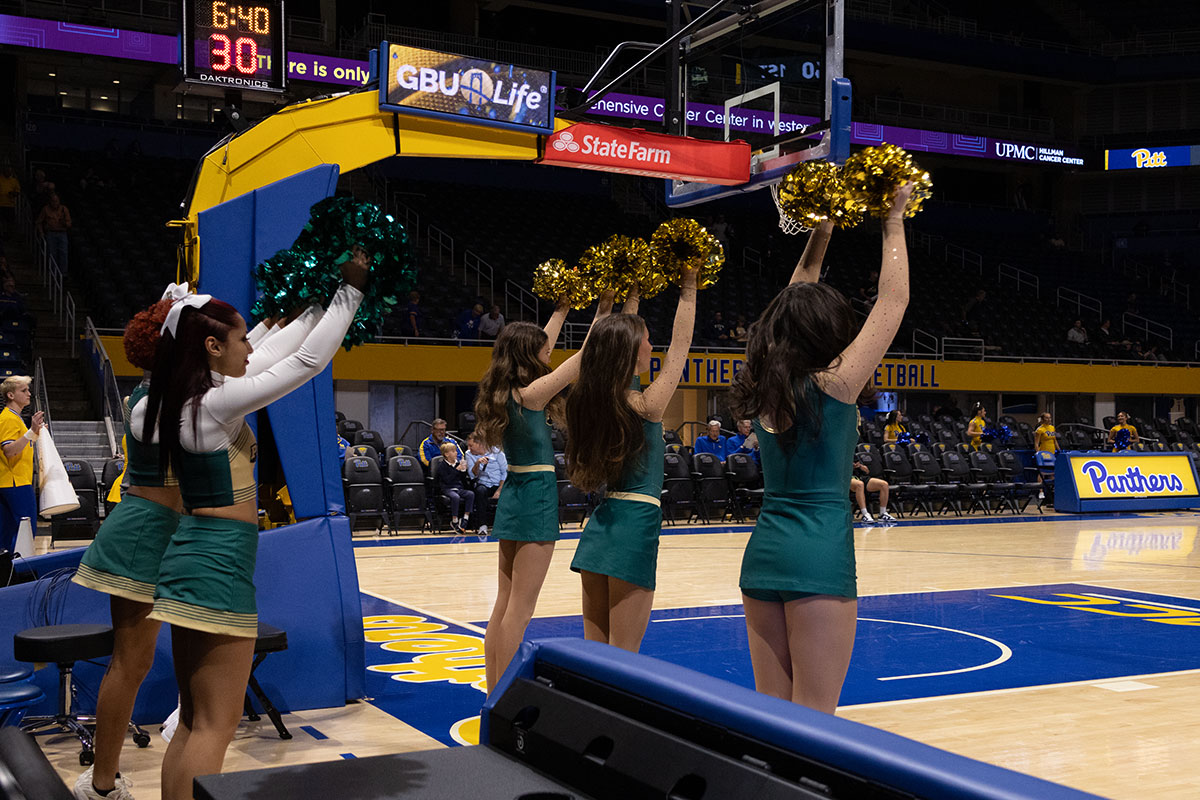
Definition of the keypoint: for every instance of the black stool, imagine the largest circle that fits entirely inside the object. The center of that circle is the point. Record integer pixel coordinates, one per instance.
(64, 645)
(270, 640)
(16, 698)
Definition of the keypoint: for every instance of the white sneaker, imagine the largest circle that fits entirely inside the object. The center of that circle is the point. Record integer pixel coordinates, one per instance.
(888, 518)
(84, 790)
(483, 530)
(867, 518)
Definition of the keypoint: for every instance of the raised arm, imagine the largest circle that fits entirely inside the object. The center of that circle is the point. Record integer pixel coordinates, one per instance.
(536, 395)
(630, 306)
(808, 268)
(555, 323)
(283, 340)
(658, 394)
(861, 358)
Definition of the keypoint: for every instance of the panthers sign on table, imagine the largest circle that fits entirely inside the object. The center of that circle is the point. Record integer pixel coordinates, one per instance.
(1125, 481)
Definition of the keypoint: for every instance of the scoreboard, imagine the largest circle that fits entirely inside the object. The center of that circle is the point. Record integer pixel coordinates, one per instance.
(234, 45)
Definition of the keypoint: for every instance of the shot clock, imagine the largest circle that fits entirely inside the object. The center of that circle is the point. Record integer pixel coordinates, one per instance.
(234, 45)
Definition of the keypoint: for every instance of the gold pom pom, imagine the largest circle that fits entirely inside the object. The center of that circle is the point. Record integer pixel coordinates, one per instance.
(873, 174)
(618, 264)
(814, 192)
(681, 245)
(553, 280)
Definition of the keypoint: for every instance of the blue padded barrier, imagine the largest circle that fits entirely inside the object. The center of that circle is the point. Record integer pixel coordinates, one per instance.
(307, 585)
(883, 757)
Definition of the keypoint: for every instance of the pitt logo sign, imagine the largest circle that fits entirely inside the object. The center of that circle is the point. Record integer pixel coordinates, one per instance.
(1144, 158)
(1116, 477)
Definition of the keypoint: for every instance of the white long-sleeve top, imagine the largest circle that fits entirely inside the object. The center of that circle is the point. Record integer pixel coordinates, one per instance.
(217, 468)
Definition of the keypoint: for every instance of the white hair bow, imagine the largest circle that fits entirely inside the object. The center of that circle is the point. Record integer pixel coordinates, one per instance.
(175, 292)
(178, 304)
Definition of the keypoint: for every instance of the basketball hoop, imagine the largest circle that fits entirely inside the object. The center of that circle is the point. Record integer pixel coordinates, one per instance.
(786, 224)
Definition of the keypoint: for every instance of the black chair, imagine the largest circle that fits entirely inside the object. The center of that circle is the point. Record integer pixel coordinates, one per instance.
(571, 499)
(270, 640)
(348, 427)
(996, 488)
(956, 470)
(712, 486)
(396, 450)
(83, 521)
(25, 772)
(746, 481)
(439, 504)
(902, 486)
(466, 423)
(405, 487)
(671, 437)
(926, 466)
(108, 477)
(338, 416)
(1012, 470)
(678, 488)
(366, 437)
(558, 440)
(363, 488)
(363, 451)
(64, 645)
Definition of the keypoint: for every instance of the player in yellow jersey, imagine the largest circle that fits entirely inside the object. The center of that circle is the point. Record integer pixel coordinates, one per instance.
(976, 426)
(1044, 437)
(893, 427)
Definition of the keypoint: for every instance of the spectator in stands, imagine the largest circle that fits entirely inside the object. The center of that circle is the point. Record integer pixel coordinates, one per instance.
(869, 290)
(872, 485)
(721, 230)
(413, 319)
(10, 189)
(343, 447)
(1104, 334)
(893, 427)
(718, 331)
(1115, 433)
(712, 441)
(491, 325)
(976, 425)
(744, 441)
(1132, 305)
(466, 326)
(53, 222)
(450, 480)
(489, 469)
(1149, 352)
(16, 468)
(432, 446)
(42, 188)
(970, 311)
(1077, 334)
(741, 331)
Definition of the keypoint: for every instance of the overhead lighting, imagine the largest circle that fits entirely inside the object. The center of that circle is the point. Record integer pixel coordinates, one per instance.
(53, 74)
(103, 97)
(63, 93)
(116, 81)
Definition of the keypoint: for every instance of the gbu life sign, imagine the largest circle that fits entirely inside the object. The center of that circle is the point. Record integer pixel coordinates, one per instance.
(428, 82)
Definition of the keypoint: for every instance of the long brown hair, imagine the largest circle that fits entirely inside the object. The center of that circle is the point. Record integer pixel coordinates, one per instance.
(181, 374)
(802, 332)
(141, 334)
(606, 433)
(515, 365)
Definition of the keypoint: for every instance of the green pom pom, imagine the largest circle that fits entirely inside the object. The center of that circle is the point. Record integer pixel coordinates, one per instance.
(310, 270)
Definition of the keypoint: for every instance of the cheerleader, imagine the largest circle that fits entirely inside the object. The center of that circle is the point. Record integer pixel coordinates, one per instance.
(977, 425)
(200, 392)
(518, 397)
(806, 366)
(616, 442)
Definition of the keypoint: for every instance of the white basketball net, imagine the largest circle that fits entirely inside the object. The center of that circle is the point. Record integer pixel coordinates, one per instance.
(786, 224)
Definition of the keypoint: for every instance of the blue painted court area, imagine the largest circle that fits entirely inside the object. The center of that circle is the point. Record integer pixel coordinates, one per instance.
(428, 672)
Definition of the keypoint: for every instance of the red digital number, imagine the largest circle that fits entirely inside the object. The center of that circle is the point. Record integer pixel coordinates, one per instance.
(247, 56)
(220, 45)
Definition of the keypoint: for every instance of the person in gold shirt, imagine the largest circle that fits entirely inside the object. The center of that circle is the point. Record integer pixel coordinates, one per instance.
(17, 499)
(1044, 437)
(1122, 425)
(977, 424)
(893, 427)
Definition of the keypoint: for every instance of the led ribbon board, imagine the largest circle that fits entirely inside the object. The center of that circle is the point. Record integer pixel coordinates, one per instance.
(471, 90)
(1124, 481)
(235, 45)
(1153, 157)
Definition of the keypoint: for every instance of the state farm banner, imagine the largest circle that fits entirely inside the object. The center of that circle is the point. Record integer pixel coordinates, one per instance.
(633, 151)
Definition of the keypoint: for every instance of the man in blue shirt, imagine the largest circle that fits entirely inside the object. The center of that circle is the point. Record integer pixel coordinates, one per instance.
(431, 448)
(713, 442)
(745, 441)
(467, 324)
(489, 469)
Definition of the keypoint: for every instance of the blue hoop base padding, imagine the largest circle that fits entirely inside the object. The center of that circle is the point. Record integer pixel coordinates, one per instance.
(307, 585)
(884, 757)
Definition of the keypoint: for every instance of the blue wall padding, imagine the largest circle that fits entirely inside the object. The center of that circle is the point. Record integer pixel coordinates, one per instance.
(892, 760)
(235, 236)
(307, 585)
